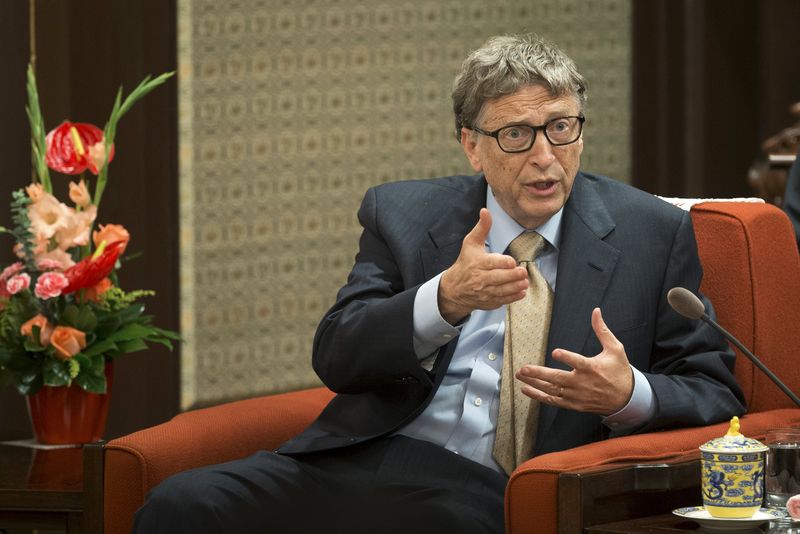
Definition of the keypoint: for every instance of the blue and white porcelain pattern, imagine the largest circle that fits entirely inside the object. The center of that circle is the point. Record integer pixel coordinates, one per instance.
(733, 474)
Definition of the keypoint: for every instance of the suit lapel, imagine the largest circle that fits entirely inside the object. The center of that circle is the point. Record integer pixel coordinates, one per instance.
(459, 214)
(586, 264)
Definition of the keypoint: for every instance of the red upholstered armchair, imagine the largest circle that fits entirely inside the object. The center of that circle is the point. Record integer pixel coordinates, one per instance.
(752, 275)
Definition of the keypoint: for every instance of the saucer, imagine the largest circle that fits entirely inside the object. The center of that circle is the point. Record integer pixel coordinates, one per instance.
(700, 515)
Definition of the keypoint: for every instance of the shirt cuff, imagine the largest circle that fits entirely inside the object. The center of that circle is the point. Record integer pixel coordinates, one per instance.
(638, 411)
(431, 330)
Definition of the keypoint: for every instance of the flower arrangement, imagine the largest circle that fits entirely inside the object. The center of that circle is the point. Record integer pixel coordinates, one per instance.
(63, 315)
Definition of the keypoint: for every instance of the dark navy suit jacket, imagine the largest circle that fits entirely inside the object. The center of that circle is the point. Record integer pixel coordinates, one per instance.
(621, 249)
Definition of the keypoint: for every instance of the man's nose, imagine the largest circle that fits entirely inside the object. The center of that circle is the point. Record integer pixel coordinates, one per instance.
(541, 152)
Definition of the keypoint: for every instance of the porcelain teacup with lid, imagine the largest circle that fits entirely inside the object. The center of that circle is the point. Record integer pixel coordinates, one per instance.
(733, 474)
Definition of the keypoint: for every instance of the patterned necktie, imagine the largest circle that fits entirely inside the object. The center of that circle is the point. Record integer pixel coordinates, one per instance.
(527, 327)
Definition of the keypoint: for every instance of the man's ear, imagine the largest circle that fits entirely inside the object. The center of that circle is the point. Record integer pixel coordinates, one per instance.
(469, 142)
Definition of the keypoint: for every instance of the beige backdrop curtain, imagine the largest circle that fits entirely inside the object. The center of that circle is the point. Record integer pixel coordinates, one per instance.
(289, 110)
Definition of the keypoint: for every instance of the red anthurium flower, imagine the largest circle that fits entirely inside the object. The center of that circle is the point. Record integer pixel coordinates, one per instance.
(69, 147)
(89, 271)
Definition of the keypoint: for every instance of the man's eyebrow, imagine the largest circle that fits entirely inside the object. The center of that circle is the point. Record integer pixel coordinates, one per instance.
(549, 117)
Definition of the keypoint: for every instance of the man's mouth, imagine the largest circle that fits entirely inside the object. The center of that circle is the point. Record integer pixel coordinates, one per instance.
(541, 188)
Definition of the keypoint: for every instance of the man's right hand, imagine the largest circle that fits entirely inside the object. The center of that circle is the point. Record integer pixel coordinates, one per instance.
(479, 280)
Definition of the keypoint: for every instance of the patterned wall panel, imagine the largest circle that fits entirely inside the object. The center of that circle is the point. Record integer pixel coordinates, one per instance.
(289, 110)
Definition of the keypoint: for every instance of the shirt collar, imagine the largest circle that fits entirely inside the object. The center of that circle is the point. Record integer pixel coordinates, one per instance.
(504, 229)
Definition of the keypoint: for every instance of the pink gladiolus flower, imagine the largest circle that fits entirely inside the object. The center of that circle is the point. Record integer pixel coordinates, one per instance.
(79, 194)
(47, 216)
(53, 257)
(10, 271)
(50, 285)
(35, 192)
(75, 229)
(793, 506)
(17, 283)
(49, 264)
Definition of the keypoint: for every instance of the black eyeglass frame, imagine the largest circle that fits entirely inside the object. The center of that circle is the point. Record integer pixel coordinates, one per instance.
(542, 127)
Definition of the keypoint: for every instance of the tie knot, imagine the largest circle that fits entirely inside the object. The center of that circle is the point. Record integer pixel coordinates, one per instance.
(526, 246)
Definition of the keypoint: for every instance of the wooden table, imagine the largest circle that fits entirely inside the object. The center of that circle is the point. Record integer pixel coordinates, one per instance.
(55, 489)
(659, 524)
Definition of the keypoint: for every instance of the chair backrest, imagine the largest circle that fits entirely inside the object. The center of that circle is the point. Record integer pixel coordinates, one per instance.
(752, 276)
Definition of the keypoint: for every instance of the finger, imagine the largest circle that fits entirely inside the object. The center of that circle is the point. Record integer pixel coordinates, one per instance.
(573, 359)
(547, 387)
(477, 236)
(607, 338)
(543, 397)
(528, 373)
(518, 277)
(503, 261)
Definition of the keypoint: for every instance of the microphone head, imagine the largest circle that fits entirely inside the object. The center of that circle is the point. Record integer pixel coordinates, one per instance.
(686, 303)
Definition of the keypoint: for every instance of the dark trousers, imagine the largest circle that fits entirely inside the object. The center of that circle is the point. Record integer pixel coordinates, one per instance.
(389, 485)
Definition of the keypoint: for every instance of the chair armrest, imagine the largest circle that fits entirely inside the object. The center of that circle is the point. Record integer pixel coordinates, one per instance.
(535, 499)
(136, 463)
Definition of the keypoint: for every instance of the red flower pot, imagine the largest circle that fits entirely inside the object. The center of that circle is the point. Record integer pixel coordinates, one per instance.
(66, 415)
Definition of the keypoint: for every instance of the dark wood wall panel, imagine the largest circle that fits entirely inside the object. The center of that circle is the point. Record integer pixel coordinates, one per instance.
(16, 170)
(86, 49)
(711, 80)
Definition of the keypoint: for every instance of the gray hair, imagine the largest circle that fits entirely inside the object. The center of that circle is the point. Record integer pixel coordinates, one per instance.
(505, 64)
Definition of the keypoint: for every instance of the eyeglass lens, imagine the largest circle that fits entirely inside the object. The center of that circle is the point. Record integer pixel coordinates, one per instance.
(559, 131)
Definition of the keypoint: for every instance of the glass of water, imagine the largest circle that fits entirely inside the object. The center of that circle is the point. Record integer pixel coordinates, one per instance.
(782, 473)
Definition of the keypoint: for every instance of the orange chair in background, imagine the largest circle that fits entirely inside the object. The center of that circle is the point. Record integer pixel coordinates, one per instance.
(752, 275)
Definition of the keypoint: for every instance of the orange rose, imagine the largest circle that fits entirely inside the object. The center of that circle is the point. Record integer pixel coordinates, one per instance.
(111, 233)
(67, 341)
(93, 293)
(45, 329)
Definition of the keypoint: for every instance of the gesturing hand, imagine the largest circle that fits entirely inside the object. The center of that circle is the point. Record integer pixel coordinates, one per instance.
(602, 384)
(479, 280)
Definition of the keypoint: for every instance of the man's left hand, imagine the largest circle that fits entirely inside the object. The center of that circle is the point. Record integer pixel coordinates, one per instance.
(602, 384)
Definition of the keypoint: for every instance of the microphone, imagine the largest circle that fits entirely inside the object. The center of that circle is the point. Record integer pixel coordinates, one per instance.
(687, 304)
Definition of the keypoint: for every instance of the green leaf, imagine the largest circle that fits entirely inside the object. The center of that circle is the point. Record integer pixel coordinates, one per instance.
(161, 341)
(92, 382)
(86, 320)
(33, 346)
(106, 325)
(70, 315)
(55, 373)
(98, 365)
(99, 348)
(38, 146)
(31, 387)
(131, 331)
(133, 345)
(83, 361)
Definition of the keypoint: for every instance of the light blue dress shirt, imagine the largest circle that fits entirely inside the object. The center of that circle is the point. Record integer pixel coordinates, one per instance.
(462, 416)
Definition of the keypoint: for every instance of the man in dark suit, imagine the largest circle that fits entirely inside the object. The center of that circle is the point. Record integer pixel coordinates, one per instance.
(791, 199)
(422, 435)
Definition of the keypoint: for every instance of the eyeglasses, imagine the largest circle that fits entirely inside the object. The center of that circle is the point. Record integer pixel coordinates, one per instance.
(520, 137)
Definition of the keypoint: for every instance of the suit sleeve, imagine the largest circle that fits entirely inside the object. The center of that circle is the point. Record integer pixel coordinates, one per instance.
(692, 365)
(365, 341)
